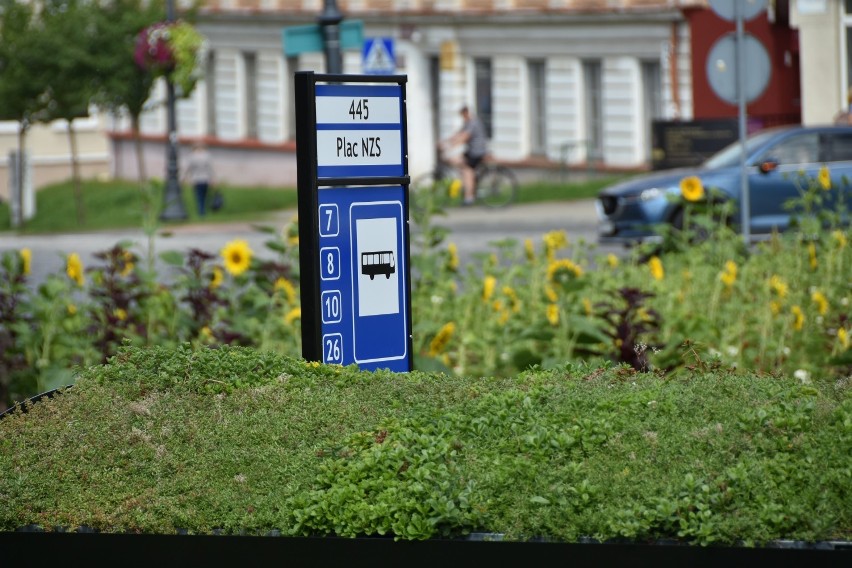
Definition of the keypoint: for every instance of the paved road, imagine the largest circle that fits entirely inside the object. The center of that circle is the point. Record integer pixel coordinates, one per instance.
(471, 229)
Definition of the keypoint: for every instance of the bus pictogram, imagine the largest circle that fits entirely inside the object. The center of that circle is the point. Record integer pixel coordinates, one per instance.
(378, 262)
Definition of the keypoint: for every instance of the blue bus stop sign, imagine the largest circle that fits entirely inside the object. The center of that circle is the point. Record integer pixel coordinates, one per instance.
(354, 249)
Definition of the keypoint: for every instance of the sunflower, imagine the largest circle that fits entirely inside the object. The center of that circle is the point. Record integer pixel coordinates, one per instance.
(656, 267)
(729, 275)
(293, 315)
(453, 260)
(798, 318)
(488, 287)
(455, 189)
(74, 268)
(692, 189)
(612, 260)
(237, 256)
(26, 260)
(285, 286)
(216, 278)
(553, 314)
(563, 271)
(843, 338)
(778, 286)
(441, 339)
(553, 241)
(824, 178)
(820, 301)
(529, 249)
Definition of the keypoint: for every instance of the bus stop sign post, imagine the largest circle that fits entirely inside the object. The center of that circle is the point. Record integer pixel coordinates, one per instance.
(354, 252)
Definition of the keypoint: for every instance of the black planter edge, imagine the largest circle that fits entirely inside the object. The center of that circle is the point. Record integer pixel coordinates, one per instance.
(34, 544)
(24, 406)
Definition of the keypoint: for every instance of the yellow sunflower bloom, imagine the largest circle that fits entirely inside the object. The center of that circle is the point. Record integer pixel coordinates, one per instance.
(729, 274)
(553, 314)
(120, 314)
(74, 268)
(127, 263)
(655, 265)
(293, 315)
(692, 189)
(554, 241)
(529, 249)
(441, 339)
(612, 260)
(550, 293)
(778, 286)
(798, 318)
(839, 237)
(514, 301)
(455, 189)
(562, 270)
(843, 338)
(453, 261)
(237, 256)
(488, 288)
(821, 302)
(824, 178)
(216, 278)
(285, 286)
(775, 307)
(26, 260)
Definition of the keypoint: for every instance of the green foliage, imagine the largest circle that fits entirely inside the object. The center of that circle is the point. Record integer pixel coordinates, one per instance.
(239, 440)
(121, 204)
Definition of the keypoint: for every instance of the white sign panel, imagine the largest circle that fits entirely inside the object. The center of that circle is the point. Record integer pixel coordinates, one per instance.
(359, 130)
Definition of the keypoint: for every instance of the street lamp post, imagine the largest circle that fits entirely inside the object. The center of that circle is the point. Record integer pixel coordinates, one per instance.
(329, 20)
(173, 209)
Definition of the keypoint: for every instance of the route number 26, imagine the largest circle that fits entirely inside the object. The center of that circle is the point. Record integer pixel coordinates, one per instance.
(333, 348)
(358, 109)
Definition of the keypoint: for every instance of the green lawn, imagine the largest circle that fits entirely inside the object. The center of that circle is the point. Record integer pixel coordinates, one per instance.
(122, 204)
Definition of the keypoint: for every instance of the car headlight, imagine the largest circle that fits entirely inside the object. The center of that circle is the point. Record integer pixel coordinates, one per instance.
(650, 194)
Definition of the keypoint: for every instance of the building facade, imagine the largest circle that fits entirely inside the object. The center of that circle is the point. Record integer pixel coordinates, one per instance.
(557, 82)
(554, 81)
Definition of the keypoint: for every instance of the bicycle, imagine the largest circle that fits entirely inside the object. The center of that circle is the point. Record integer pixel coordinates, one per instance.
(496, 186)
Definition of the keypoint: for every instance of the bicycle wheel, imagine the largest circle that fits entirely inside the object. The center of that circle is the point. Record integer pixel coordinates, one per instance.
(496, 186)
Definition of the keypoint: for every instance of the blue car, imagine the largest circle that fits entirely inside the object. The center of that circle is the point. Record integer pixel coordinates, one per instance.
(775, 158)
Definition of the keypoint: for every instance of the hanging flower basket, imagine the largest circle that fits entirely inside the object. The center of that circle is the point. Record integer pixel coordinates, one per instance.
(171, 49)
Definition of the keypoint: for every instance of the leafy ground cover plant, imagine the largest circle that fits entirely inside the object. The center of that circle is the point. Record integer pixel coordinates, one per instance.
(237, 440)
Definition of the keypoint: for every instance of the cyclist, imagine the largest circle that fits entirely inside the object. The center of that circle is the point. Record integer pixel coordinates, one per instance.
(472, 135)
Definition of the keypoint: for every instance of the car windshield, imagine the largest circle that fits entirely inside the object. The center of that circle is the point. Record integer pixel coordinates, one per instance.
(730, 155)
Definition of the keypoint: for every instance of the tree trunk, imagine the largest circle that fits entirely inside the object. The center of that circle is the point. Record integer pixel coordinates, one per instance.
(22, 138)
(75, 175)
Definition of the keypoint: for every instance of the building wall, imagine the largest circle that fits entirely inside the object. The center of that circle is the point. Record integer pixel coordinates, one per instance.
(48, 147)
(821, 46)
(561, 34)
(780, 101)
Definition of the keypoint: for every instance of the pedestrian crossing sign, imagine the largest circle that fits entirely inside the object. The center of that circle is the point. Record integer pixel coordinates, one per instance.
(378, 56)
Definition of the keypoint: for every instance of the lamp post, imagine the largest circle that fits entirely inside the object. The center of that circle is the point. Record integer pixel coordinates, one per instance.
(329, 20)
(173, 209)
